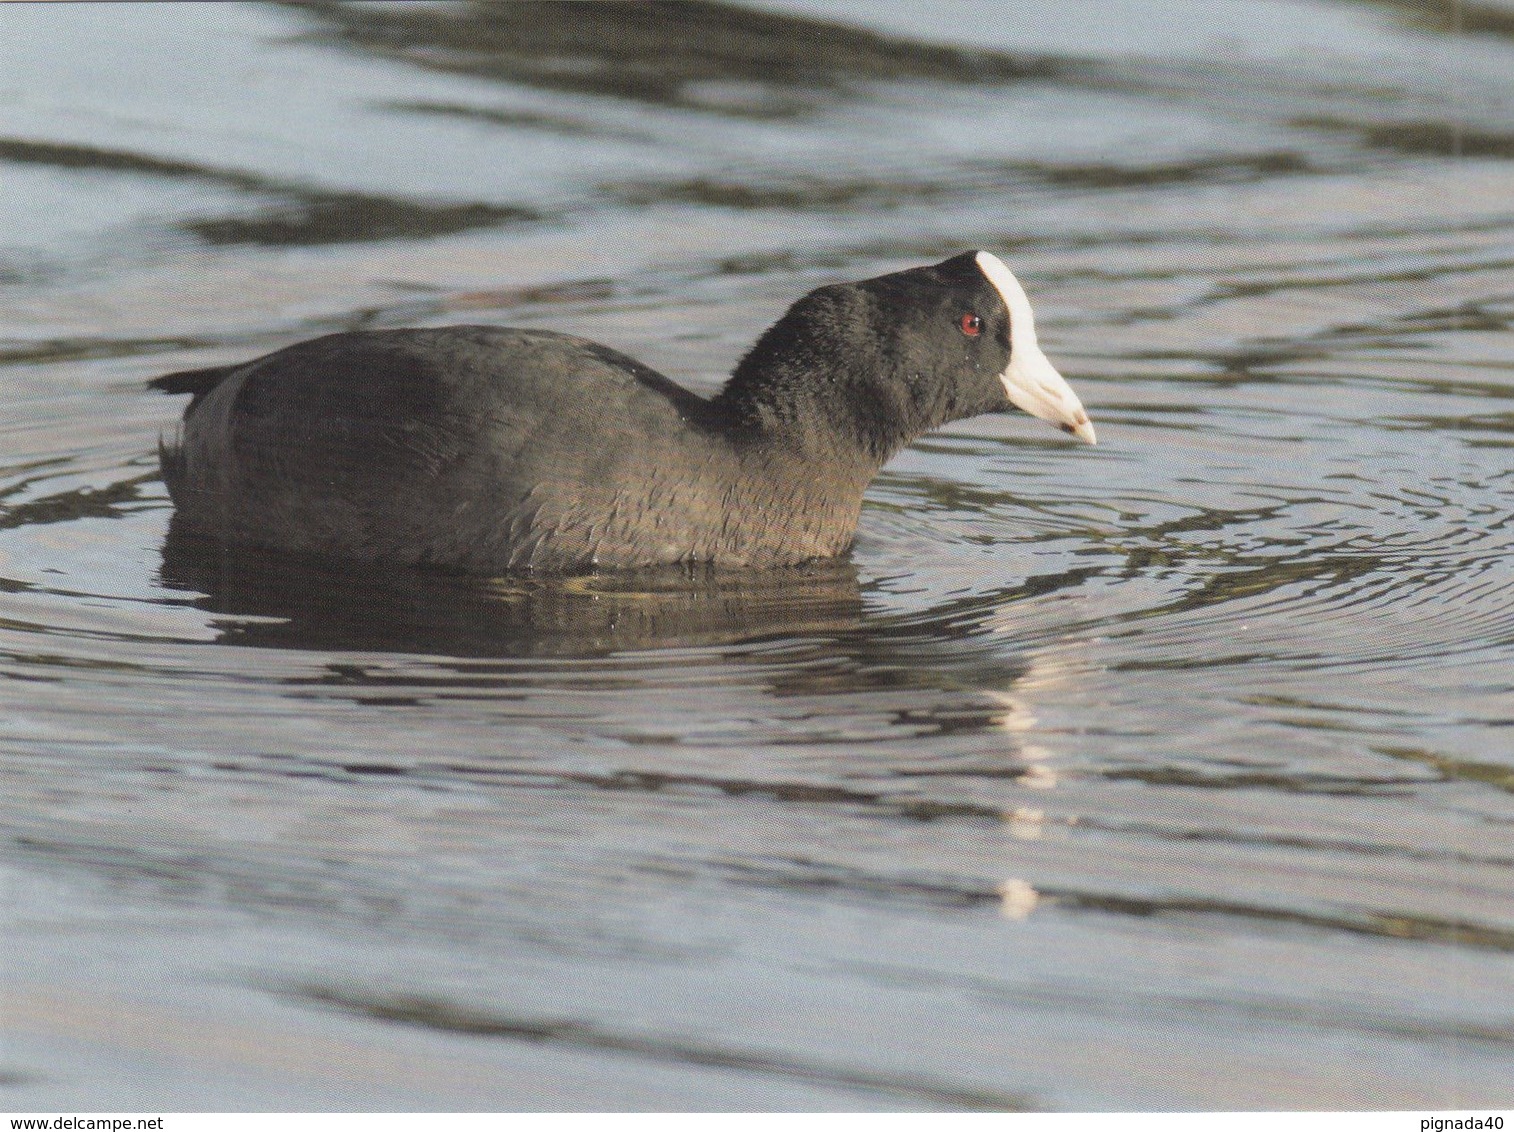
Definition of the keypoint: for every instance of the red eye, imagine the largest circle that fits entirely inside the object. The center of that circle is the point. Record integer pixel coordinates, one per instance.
(971, 325)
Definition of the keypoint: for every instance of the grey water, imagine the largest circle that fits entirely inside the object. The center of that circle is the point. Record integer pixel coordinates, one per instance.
(1176, 773)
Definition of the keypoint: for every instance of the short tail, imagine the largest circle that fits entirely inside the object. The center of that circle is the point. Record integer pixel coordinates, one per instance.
(196, 381)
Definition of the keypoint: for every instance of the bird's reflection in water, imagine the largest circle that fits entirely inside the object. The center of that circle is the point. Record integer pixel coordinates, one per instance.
(278, 601)
(942, 670)
(853, 670)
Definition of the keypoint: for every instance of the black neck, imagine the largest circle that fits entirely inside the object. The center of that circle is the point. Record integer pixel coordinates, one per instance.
(791, 391)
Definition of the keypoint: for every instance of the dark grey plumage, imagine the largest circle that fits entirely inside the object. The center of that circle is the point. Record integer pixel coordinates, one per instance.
(488, 449)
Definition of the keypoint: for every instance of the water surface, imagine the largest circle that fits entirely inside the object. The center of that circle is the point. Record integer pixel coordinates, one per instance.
(1174, 773)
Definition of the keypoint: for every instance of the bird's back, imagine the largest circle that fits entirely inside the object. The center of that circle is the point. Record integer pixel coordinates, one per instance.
(477, 447)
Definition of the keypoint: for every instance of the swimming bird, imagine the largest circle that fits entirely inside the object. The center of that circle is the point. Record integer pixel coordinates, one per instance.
(491, 450)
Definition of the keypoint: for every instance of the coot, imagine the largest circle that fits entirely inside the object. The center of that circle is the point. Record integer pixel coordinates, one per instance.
(488, 450)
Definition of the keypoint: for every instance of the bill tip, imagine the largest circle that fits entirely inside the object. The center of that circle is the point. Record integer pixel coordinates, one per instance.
(1083, 430)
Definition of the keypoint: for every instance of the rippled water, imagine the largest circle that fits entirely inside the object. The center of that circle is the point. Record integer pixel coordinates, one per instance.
(1174, 773)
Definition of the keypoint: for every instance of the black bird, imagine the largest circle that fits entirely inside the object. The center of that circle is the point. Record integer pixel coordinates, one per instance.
(489, 450)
